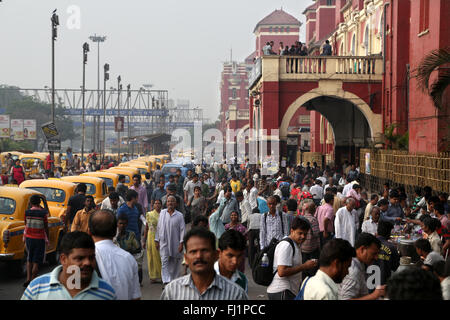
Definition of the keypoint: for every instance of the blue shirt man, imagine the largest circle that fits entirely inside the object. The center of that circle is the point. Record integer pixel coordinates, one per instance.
(129, 208)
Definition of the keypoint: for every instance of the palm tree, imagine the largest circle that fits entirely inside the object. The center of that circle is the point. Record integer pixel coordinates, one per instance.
(434, 61)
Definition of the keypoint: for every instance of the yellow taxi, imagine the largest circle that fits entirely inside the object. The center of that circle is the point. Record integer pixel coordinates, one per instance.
(13, 203)
(143, 169)
(111, 179)
(128, 172)
(32, 163)
(56, 192)
(96, 187)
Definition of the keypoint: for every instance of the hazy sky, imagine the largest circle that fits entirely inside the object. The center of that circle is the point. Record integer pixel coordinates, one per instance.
(176, 45)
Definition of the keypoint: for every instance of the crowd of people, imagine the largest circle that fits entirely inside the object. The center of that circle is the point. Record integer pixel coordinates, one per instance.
(296, 49)
(306, 233)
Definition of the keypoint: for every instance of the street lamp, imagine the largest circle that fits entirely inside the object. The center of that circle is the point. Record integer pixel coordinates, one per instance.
(97, 39)
(105, 78)
(128, 117)
(55, 23)
(85, 51)
(119, 88)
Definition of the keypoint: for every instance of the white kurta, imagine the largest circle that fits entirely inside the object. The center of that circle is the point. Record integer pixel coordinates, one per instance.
(170, 233)
(345, 226)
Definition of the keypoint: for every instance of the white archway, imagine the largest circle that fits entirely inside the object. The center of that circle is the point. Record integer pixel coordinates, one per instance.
(332, 88)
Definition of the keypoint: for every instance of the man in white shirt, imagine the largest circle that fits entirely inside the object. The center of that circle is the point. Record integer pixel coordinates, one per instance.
(345, 225)
(189, 188)
(116, 266)
(371, 225)
(112, 202)
(245, 208)
(335, 259)
(317, 192)
(287, 263)
(251, 194)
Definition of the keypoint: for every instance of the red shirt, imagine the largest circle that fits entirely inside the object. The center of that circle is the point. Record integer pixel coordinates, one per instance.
(35, 221)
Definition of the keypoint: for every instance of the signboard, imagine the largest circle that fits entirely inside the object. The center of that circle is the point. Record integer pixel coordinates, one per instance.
(54, 144)
(118, 124)
(50, 130)
(255, 73)
(4, 126)
(367, 163)
(29, 129)
(17, 129)
(124, 112)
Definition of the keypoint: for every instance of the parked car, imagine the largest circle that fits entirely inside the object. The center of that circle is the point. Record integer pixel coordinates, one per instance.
(13, 204)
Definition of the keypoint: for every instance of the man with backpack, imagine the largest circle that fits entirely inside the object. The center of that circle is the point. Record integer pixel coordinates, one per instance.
(287, 263)
(274, 224)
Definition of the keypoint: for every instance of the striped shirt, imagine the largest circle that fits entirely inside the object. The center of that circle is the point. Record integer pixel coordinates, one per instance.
(35, 221)
(273, 227)
(48, 287)
(312, 241)
(221, 288)
(354, 284)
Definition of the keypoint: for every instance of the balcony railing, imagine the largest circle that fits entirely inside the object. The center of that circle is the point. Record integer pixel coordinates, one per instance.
(315, 68)
(329, 65)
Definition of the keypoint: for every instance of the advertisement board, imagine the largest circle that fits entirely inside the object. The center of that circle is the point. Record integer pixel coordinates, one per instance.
(17, 129)
(4, 126)
(367, 163)
(29, 129)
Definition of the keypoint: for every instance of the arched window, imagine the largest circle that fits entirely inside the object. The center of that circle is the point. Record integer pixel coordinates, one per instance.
(276, 29)
(366, 39)
(234, 93)
(270, 29)
(288, 29)
(341, 50)
(353, 47)
(282, 29)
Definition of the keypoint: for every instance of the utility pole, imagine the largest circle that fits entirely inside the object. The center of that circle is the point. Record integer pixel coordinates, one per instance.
(96, 137)
(119, 88)
(85, 51)
(105, 78)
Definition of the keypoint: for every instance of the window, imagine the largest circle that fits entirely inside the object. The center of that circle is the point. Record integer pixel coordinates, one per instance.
(234, 93)
(270, 29)
(7, 205)
(329, 2)
(353, 49)
(282, 29)
(424, 15)
(288, 29)
(51, 194)
(276, 29)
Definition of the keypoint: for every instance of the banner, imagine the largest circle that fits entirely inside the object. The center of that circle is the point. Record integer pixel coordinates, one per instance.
(119, 124)
(367, 163)
(4, 126)
(17, 129)
(29, 129)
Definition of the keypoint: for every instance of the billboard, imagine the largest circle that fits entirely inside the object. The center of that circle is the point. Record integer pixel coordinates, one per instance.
(17, 129)
(118, 124)
(4, 126)
(29, 129)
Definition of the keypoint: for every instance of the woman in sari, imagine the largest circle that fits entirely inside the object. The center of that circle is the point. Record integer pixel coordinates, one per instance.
(153, 257)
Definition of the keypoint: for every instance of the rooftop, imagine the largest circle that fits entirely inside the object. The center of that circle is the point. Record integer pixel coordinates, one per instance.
(278, 17)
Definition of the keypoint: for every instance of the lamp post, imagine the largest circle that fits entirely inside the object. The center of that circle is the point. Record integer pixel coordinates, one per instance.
(119, 88)
(97, 39)
(55, 23)
(85, 51)
(105, 78)
(128, 117)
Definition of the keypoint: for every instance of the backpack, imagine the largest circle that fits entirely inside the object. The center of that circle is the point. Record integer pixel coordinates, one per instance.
(264, 275)
(301, 294)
